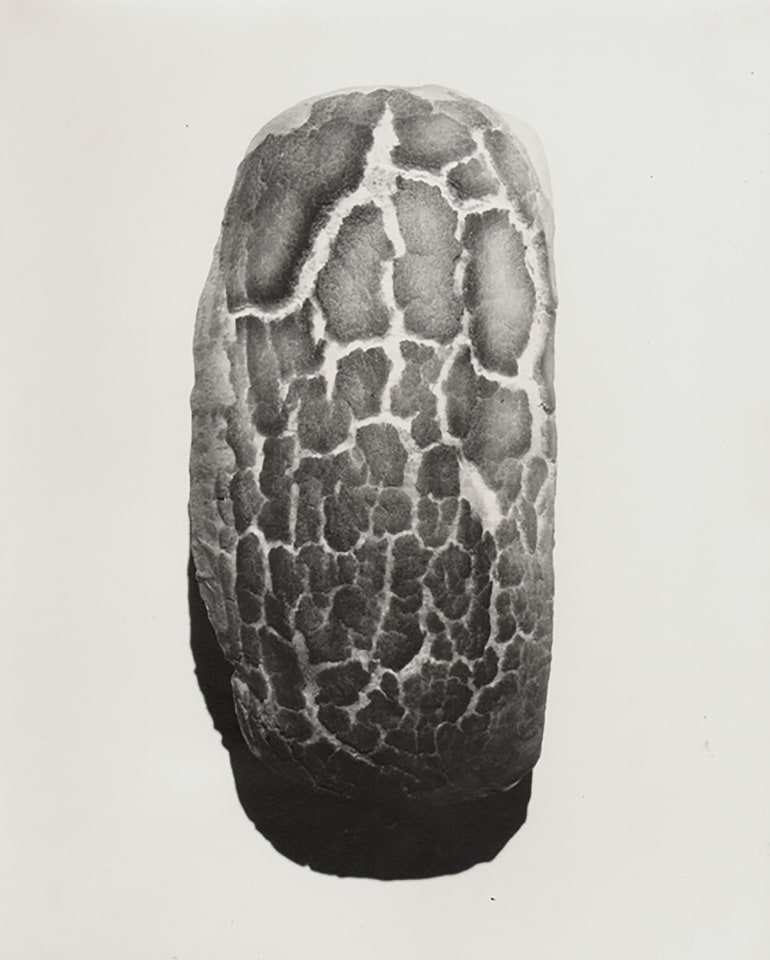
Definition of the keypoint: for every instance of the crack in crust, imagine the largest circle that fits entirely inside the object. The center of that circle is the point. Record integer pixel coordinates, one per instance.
(373, 464)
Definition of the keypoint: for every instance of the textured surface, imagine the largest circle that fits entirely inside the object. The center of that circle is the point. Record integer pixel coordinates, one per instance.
(373, 460)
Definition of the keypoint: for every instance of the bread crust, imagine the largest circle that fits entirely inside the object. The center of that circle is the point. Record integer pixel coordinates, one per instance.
(373, 459)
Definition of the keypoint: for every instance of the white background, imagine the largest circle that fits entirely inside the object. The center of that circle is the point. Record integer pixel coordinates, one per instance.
(649, 830)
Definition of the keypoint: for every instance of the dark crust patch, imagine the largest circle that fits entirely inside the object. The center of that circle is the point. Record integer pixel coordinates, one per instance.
(414, 396)
(462, 392)
(349, 285)
(500, 430)
(347, 517)
(283, 192)
(384, 453)
(264, 398)
(340, 686)
(322, 424)
(246, 499)
(515, 170)
(250, 580)
(472, 180)
(498, 290)
(404, 103)
(423, 279)
(393, 512)
(439, 472)
(295, 348)
(282, 667)
(360, 380)
(263, 357)
(464, 111)
(430, 141)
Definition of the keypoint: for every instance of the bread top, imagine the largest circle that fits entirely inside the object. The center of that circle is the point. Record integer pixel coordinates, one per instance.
(373, 463)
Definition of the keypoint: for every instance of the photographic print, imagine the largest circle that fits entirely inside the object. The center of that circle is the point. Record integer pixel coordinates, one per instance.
(314, 640)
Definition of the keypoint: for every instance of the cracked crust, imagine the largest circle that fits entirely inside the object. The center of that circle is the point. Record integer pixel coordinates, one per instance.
(373, 459)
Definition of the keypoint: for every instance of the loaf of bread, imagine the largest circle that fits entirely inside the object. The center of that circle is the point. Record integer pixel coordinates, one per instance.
(373, 455)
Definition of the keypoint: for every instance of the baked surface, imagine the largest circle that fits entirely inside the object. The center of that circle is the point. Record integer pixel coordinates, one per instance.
(373, 458)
